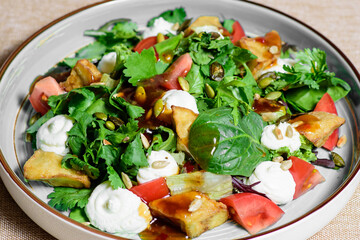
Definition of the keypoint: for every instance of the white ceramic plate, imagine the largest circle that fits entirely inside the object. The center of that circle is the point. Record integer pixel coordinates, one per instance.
(303, 217)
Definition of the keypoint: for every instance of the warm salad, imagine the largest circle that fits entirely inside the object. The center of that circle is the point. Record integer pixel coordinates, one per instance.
(186, 121)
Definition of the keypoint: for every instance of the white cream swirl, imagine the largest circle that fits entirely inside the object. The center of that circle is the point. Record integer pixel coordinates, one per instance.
(277, 184)
(52, 135)
(117, 211)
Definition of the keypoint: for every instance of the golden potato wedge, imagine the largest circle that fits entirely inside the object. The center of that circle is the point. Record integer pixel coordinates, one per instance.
(46, 167)
(317, 126)
(193, 212)
(182, 119)
(84, 73)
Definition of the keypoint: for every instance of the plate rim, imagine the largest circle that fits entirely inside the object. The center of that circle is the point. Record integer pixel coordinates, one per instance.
(51, 210)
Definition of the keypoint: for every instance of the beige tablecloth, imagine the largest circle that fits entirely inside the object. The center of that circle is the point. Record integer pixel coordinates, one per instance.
(337, 20)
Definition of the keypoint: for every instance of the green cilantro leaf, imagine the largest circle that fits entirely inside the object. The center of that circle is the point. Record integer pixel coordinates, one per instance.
(65, 198)
(174, 16)
(143, 66)
(114, 178)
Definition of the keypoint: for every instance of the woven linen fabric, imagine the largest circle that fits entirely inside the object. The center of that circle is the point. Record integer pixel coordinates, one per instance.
(339, 21)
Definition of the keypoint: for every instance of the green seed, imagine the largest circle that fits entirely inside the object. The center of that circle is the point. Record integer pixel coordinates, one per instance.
(110, 125)
(217, 72)
(184, 84)
(101, 116)
(209, 91)
(263, 83)
(34, 118)
(338, 160)
(160, 37)
(273, 95)
(126, 180)
(158, 107)
(117, 121)
(140, 95)
(28, 137)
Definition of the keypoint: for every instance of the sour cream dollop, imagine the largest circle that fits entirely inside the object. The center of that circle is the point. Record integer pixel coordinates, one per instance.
(107, 62)
(117, 211)
(52, 135)
(277, 184)
(161, 164)
(160, 26)
(271, 141)
(180, 98)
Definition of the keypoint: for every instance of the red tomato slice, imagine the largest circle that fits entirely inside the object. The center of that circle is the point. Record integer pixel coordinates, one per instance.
(314, 179)
(326, 104)
(301, 171)
(43, 89)
(252, 211)
(145, 44)
(237, 33)
(179, 68)
(151, 190)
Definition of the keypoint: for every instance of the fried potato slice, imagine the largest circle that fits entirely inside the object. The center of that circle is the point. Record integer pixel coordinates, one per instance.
(83, 73)
(206, 21)
(46, 167)
(317, 126)
(182, 119)
(267, 49)
(193, 212)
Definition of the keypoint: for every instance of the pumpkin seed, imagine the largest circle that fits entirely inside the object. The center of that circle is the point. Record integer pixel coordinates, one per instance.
(274, 49)
(110, 125)
(289, 132)
(28, 137)
(148, 114)
(263, 83)
(184, 84)
(341, 142)
(216, 71)
(158, 107)
(144, 141)
(159, 164)
(267, 74)
(100, 116)
(160, 37)
(297, 123)
(184, 25)
(338, 160)
(140, 95)
(168, 57)
(273, 95)
(117, 121)
(286, 165)
(34, 118)
(214, 35)
(195, 204)
(209, 91)
(175, 27)
(278, 159)
(278, 134)
(126, 180)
